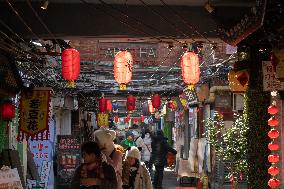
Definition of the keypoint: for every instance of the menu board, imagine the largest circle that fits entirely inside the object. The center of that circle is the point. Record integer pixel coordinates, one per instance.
(69, 158)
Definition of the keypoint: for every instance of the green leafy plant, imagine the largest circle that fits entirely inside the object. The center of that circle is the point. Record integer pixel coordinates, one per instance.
(230, 145)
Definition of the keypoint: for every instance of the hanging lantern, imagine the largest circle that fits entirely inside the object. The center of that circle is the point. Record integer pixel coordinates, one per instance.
(156, 101)
(150, 106)
(274, 183)
(116, 119)
(273, 158)
(273, 171)
(108, 105)
(272, 109)
(238, 80)
(130, 103)
(70, 66)
(190, 68)
(123, 68)
(273, 146)
(272, 122)
(103, 120)
(102, 104)
(142, 118)
(8, 111)
(273, 134)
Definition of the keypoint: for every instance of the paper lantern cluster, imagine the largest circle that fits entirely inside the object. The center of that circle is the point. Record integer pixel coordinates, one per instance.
(122, 68)
(238, 80)
(190, 68)
(105, 106)
(70, 66)
(8, 111)
(273, 158)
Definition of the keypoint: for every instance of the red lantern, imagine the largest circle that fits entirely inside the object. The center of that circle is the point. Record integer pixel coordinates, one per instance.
(272, 122)
(8, 111)
(273, 146)
(130, 103)
(273, 171)
(150, 106)
(102, 105)
(142, 118)
(70, 65)
(190, 68)
(272, 110)
(273, 134)
(156, 101)
(274, 183)
(108, 105)
(273, 158)
(116, 118)
(123, 68)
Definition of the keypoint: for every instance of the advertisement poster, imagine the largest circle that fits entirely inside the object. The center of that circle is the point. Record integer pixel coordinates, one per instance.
(68, 157)
(10, 179)
(43, 156)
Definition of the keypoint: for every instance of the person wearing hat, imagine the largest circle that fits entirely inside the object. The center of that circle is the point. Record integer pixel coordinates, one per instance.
(104, 138)
(135, 175)
(129, 140)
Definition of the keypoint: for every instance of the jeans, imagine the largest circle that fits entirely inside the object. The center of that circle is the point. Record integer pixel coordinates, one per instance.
(158, 177)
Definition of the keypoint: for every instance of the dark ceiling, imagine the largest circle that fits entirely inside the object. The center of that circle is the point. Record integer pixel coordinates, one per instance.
(36, 37)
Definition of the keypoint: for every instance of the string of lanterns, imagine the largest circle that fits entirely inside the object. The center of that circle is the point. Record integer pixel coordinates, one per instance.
(273, 134)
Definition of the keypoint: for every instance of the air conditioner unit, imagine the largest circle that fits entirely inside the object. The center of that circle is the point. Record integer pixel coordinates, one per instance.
(238, 102)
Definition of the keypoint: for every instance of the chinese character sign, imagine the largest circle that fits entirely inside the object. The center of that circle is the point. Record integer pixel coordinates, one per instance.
(10, 179)
(270, 83)
(69, 157)
(34, 114)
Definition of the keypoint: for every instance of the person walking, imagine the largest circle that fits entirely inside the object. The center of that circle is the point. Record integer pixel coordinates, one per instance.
(129, 140)
(95, 172)
(147, 149)
(160, 148)
(135, 175)
(113, 152)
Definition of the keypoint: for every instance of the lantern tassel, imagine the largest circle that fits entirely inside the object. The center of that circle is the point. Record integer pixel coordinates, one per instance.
(122, 86)
(190, 87)
(71, 84)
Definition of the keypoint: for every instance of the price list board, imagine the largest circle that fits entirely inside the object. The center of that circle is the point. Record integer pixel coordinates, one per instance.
(68, 158)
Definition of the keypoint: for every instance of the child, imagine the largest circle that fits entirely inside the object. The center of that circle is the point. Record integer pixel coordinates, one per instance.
(134, 173)
(95, 172)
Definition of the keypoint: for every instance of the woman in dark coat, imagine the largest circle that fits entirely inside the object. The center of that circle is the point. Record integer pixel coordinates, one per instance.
(160, 149)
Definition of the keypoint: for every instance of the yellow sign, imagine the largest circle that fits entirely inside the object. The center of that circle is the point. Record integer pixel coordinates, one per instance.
(103, 120)
(34, 112)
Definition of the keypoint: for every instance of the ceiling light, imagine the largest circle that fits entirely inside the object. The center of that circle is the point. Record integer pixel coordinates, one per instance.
(44, 5)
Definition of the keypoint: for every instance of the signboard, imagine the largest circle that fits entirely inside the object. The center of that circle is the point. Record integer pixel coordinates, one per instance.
(69, 157)
(42, 151)
(223, 101)
(142, 53)
(10, 179)
(34, 113)
(270, 83)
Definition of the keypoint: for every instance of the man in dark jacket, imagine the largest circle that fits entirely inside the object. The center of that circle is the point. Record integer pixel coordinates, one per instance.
(160, 149)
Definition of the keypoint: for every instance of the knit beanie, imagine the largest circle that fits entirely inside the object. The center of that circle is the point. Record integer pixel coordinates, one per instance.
(128, 133)
(104, 136)
(133, 152)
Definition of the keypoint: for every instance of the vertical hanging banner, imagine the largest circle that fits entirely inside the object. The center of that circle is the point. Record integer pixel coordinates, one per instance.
(34, 114)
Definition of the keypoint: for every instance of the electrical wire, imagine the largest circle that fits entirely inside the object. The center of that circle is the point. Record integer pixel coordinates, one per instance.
(190, 26)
